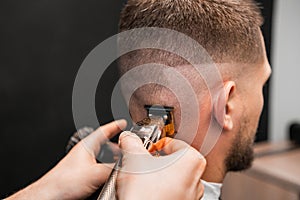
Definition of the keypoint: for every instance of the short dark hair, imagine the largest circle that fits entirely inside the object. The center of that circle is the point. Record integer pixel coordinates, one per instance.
(229, 30)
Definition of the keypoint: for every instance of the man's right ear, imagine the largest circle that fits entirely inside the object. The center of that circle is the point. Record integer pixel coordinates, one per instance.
(224, 106)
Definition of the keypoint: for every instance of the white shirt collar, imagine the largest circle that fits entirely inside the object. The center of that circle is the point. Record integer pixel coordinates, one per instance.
(212, 191)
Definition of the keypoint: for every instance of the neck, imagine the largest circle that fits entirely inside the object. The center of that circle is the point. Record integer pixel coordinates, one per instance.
(215, 170)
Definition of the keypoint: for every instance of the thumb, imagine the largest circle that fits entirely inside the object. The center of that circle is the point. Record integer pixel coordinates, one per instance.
(131, 143)
(94, 141)
(136, 159)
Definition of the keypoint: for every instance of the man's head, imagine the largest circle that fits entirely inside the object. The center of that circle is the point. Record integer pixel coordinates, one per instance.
(229, 31)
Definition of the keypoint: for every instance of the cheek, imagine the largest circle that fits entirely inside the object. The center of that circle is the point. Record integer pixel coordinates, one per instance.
(260, 102)
(254, 106)
(257, 108)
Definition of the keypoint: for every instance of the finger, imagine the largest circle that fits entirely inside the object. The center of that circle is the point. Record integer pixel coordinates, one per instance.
(103, 134)
(109, 130)
(131, 143)
(195, 158)
(197, 163)
(102, 172)
(183, 153)
(201, 165)
(200, 191)
(169, 145)
(136, 159)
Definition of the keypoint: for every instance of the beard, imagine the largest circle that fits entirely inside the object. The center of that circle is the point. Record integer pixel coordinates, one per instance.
(241, 154)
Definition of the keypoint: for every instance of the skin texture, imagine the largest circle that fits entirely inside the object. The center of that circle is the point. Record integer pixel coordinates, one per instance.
(138, 183)
(237, 112)
(78, 175)
(240, 154)
(230, 33)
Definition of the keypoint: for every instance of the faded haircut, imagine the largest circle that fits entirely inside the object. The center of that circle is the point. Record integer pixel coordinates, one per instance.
(229, 30)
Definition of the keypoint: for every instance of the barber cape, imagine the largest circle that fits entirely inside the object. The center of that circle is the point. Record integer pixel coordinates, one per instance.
(212, 191)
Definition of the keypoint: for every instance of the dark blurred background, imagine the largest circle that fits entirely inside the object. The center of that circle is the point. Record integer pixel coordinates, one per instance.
(42, 45)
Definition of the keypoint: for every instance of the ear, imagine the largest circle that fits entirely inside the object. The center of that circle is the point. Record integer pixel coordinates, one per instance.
(223, 106)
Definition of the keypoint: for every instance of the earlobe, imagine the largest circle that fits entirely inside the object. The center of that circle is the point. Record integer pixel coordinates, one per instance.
(223, 106)
(228, 123)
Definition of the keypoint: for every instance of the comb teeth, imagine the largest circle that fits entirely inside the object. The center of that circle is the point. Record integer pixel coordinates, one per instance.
(166, 113)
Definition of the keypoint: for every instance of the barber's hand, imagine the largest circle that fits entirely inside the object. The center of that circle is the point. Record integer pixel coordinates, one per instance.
(175, 175)
(78, 175)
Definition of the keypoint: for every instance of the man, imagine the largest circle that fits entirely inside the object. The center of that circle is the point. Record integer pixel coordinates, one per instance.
(229, 30)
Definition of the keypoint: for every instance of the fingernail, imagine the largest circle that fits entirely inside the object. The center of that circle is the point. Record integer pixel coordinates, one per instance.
(127, 133)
